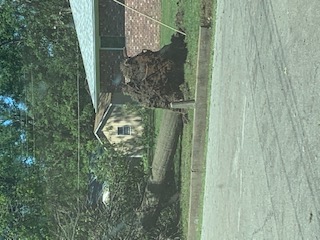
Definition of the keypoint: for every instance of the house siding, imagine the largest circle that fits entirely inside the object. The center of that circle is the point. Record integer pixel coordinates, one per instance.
(139, 32)
(120, 117)
(111, 24)
(110, 73)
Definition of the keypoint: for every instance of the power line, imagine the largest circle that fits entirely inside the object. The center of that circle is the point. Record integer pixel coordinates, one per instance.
(78, 92)
(33, 132)
(26, 111)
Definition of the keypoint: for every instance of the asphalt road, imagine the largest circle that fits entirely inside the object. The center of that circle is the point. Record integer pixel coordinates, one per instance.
(263, 159)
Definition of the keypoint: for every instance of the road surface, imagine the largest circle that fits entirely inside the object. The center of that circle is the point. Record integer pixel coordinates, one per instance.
(263, 159)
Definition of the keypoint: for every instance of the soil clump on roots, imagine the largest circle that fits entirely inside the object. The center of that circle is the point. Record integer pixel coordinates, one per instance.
(154, 78)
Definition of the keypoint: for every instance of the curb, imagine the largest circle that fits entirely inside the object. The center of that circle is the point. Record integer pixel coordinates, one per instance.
(198, 157)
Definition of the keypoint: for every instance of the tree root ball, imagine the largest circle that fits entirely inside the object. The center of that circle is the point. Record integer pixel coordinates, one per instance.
(153, 78)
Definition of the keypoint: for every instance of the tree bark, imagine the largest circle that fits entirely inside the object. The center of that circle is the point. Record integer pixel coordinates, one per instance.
(151, 206)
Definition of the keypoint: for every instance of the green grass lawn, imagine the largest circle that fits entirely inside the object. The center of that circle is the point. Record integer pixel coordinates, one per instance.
(168, 15)
(191, 21)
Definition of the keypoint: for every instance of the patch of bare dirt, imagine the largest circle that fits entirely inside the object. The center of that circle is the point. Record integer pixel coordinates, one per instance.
(206, 13)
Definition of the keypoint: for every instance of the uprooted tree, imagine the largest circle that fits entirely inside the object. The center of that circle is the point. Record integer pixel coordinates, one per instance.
(153, 78)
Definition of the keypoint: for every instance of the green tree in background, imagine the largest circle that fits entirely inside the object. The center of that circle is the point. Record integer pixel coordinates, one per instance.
(38, 118)
(43, 185)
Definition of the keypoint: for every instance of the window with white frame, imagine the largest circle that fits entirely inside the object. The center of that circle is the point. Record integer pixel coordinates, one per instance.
(124, 130)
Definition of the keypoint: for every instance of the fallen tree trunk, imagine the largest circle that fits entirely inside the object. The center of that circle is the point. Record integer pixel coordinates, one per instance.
(167, 140)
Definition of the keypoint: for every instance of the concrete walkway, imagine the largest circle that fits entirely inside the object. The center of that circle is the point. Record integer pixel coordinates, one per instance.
(263, 161)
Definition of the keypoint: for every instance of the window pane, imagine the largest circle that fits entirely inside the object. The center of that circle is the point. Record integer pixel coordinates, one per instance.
(120, 130)
(127, 130)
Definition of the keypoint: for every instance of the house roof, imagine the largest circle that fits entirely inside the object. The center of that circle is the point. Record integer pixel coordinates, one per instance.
(104, 110)
(84, 14)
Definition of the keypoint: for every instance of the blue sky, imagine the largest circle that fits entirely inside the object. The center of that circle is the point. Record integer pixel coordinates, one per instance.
(11, 103)
(23, 138)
